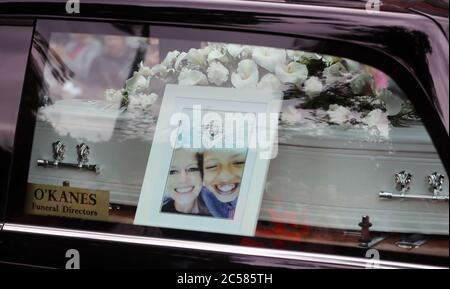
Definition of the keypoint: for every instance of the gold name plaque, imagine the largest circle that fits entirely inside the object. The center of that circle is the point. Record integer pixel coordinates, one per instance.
(67, 201)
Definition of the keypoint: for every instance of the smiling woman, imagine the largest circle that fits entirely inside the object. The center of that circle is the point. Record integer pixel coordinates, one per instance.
(184, 184)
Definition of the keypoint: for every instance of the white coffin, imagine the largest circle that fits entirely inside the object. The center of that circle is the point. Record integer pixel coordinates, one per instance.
(327, 180)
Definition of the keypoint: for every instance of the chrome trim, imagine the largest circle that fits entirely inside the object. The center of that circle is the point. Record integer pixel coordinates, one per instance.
(217, 248)
(388, 195)
(402, 182)
(79, 166)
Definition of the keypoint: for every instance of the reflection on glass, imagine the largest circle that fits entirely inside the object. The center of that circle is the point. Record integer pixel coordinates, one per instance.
(345, 129)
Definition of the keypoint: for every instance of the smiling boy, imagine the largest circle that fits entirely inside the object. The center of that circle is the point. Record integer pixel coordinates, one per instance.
(223, 170)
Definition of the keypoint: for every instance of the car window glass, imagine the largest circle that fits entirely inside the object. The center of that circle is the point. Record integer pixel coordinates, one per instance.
(352, 153)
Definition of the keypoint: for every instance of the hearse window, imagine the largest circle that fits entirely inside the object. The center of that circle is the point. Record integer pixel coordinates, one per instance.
(346, 161)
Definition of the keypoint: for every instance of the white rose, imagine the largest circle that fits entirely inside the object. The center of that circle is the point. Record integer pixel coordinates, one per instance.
(334, 72)
(239, 51)
(295, 55)
(217, 55)
(361, 80)
(235, 50)
(291, 115)
(328, 59)
(144, 70)
(134, 101)
(137, 82)
(311, 56)
(179, 60)
(379, 120)
(171, 58)
(160, 70)
(192, 77)
(246, 52)
(217, 73)
(196, 57)
(294, 72)
(313, 86)
(270, 81)
(269, 58)
(352, 65)
(148, 99)
(215, 46)
(392, 102)
(70, 88)
(247, 74)
(114, 95)
(338, 114)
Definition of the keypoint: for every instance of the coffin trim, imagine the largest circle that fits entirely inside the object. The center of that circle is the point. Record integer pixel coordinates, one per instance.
(348, 218)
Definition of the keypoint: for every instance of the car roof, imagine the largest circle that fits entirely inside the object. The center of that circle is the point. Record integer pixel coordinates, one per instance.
(431, 7)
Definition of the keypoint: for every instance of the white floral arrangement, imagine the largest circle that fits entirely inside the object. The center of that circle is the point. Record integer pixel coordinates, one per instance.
(326, 90)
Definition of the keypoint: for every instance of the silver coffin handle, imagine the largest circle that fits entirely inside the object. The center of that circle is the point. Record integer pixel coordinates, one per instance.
(83, 152)
(388, 195)
(46, 163)
(403, 180)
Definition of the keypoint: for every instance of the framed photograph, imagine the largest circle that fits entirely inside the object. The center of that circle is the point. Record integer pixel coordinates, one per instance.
(209, 159)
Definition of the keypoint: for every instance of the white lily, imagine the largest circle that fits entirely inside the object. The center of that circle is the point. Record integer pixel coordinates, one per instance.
(392, 102)
(217, 73)
(338, 114)
(313, 86)
(246, 75)
(294, 72)
(291, 115)
(269, 58)
(270, 81)
(192, 77)
(379, 120)
(171, 58)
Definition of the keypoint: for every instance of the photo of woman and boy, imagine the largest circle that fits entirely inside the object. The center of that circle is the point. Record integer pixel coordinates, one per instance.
(204, 182)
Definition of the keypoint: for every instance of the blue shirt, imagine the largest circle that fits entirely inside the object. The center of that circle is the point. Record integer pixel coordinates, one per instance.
(216, 207)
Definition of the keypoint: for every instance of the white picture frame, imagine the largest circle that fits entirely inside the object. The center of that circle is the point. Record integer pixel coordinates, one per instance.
(178, 99)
